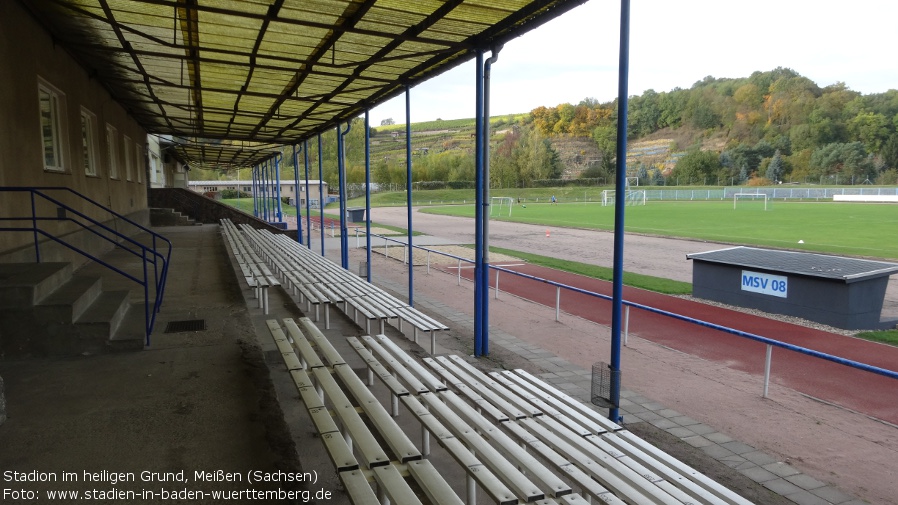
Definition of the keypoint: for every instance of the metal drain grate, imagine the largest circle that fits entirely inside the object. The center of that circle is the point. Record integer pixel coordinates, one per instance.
(182, 326)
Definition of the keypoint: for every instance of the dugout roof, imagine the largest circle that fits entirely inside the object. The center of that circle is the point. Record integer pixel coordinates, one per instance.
(799, 263)
(238, 78)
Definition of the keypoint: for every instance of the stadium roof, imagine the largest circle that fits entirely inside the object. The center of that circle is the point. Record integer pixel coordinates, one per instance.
(231, 80)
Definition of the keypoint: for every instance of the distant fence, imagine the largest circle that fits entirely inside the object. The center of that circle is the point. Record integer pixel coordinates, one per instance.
(771, 192)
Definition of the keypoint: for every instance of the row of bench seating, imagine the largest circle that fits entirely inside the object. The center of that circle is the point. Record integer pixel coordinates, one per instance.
(255, 271)
(317, 281)
(516, 437)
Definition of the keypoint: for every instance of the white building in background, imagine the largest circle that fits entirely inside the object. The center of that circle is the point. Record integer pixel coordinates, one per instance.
(288, 189)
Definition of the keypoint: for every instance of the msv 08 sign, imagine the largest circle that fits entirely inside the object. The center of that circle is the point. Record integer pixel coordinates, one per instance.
(766, 284)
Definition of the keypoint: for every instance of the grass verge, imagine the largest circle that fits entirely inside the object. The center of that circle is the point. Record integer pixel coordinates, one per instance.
(646, 282)
(886, 337)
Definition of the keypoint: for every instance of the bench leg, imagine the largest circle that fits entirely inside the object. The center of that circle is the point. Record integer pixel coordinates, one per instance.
(317, 313)
(472, 490)
(433, 343)
(425, 442)
(381, 326)
(327, 317)
(400, 324)
(346, 436)
(370, 377)
(265, 300)
(395, 399)
(367, 326)
(415, 333)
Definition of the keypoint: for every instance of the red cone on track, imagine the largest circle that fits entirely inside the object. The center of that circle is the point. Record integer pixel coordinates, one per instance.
(547, 232)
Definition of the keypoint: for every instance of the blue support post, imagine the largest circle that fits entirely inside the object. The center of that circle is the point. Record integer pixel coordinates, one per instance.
(478, 207)
(485, 272)
(408, 193)
(619, 190)
(341, 169)
(305, 151)
(321, 193)
(367, 197)
(297, 201)
(277, 180)
(265, 191)
(255, 199)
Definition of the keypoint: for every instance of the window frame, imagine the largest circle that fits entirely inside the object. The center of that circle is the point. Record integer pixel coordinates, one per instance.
(128, 155)
(89, 142)
(57, 125)
(112, 151)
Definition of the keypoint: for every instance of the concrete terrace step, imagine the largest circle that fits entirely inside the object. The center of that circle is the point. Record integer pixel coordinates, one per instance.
(170, 217)
(24, 284)
(69, 302)
(103, 317)
(131, 333)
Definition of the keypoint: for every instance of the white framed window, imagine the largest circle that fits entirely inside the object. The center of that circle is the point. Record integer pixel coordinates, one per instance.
(51, 103)
(89, 142)
(129, 156)
(112, 151)
(139, 162)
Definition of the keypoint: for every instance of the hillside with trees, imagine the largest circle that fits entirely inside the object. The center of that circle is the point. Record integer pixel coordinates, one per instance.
(770, 127)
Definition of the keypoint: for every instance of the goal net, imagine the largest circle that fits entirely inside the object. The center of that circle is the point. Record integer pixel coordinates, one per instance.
(630, 197)
(500, 206)
(750, 200)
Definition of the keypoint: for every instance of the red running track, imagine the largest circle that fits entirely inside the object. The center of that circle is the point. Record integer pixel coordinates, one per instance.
(866, 392)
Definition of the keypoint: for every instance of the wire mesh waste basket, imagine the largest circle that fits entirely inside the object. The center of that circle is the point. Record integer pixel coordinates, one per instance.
(604, 381)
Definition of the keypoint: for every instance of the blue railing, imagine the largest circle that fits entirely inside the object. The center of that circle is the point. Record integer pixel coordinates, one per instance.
(149, 254)
(732, 331)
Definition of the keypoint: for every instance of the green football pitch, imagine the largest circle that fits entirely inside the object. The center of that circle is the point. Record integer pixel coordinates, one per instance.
(837, 228)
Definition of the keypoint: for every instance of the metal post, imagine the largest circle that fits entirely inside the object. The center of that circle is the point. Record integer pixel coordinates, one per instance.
(296, 195)
(478, 207)
(620, 189)
(367, 197)
(497, 284)
(37, 247)
(321, 193)
(428, 262)
(767, 369)
(459, 272)
(341, 169)
(557, 302)
(255, 200)
(305, 152)
(485, 145)
(408, 191)
(277, 178)
(626, 324)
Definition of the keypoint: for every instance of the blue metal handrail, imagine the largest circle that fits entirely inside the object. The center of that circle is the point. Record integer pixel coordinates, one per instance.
(732, 331)
(147, 254)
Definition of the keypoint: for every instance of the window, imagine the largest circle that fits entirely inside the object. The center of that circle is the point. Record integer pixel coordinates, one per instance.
(89, 142)
(140, 162)
(112, 151)
(52, 118)
(129, 156)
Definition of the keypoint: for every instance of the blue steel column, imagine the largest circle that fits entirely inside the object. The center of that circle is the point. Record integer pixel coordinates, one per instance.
(341, 169)
(478, 208)
(321, 193)
(264, 193)
(305, 151)
(485, 274)
(408, 193)
(255, 201)
(266, 189)
(367, 197)
(277, 179)
(297, 203)
(619, 189)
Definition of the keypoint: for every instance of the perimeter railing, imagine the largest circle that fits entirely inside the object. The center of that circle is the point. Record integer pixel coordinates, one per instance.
(44, 209)
(768, 342)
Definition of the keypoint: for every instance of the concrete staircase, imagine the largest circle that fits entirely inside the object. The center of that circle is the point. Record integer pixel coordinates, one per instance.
(46, 310)
(170, 217)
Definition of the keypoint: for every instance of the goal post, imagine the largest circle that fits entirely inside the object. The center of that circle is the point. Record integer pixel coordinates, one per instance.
(631, 197)
(500, 206)
(750, 196)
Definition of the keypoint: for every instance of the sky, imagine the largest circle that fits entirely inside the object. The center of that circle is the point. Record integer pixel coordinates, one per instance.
(673, 43)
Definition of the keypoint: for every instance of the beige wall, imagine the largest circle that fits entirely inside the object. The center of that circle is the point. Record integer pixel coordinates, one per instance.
(27, 54)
